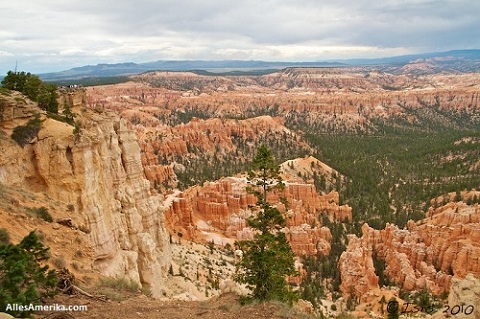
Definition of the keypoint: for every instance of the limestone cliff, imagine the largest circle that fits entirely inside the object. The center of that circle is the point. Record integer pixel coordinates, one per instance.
(98, 171)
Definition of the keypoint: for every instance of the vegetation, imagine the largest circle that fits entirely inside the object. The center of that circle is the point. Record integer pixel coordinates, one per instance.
(4, 236)
(322, 271)
(392, 178)
(34, 88)
(40, 212)
(23, 134)
(23, 280)
(117, 288)
(93, 81)
(267, 259)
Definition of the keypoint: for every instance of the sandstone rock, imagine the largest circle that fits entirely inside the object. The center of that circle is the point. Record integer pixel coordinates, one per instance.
(101, 173)
(356, 269)
(222, 207)
(428, 254)
(463, 293)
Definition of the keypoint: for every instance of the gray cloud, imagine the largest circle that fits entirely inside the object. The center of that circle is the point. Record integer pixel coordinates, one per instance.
(47, 35)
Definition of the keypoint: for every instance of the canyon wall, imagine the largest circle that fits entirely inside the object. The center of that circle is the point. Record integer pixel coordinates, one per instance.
(98, 171)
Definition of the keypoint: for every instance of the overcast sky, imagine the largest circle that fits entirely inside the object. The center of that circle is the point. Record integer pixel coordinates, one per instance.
(54, 35)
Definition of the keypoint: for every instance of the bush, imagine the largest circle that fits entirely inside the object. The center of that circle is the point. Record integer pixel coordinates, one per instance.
(59, 262)
(40, 212)
(117, 288)
(4, 236)
(3, 104)
(122, 284)
(23, 280)
(24, 134)
(34, 88)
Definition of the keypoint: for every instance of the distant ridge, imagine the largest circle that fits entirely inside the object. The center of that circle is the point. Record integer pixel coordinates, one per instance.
(235, 67)
(221, 66)
(473, 54)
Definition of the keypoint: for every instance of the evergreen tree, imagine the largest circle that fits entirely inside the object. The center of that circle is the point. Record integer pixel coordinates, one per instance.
(267, 259)
(23, 280)
(34, 88)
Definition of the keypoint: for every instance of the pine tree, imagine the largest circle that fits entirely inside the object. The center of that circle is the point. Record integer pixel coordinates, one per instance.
(267, 259)
(23, 280)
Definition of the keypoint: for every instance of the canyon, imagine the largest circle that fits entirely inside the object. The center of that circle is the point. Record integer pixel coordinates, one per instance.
(157, 172)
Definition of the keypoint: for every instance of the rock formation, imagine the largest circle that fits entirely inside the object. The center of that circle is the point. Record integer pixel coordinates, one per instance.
(100, 173)
(425, 255)
(463, 299)
(219, 210)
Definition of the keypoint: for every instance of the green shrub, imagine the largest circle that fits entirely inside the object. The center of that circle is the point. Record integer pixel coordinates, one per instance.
(60, 118)
(3, 104)
(5, 91)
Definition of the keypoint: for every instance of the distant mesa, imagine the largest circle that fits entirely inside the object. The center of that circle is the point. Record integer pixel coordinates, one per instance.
(456, 60)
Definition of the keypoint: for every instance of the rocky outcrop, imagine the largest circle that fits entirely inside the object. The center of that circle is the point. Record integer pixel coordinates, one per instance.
(357, 269)
(15, 105)
(99, 172)
(425, 255)
(220, 209)
(463, 299)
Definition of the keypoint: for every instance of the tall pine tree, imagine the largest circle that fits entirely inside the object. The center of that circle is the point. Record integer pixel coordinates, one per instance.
(268, 258)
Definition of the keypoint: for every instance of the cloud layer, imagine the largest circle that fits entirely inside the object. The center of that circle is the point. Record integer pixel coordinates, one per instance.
(52, 35)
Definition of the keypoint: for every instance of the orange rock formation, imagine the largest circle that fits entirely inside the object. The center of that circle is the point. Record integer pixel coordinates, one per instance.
(222, 208)
(427, 254)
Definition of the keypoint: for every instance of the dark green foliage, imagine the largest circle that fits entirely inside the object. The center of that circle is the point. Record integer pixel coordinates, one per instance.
(267, 259)
(34, 88)
(312, 286)
(423, 300)
(77, 129)
(23, 280)
(4, 236)
(379, 265)
(23, 134)
(200, 166)
(392, 178)
(3, 104)
(62, 118)
(322, 273)
(93, 81)
(211, 246)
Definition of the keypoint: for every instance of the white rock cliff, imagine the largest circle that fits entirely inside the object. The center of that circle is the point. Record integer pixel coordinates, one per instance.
(100, 173)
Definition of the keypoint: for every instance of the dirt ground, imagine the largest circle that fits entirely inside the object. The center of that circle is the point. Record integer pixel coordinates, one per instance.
(225, 306)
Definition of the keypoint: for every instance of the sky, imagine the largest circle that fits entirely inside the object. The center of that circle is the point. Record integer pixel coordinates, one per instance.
(53, 35)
